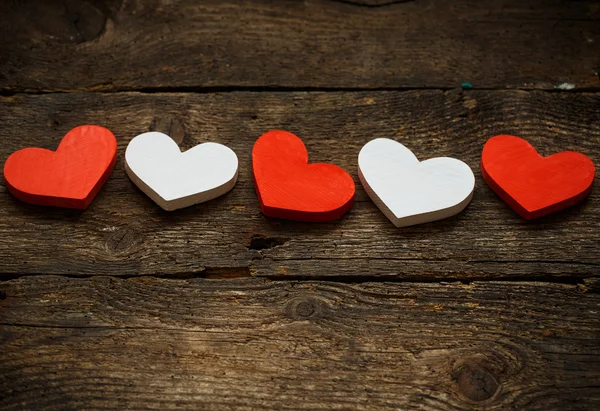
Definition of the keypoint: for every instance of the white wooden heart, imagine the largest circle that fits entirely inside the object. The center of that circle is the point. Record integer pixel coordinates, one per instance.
(174, 179)
(410, 192)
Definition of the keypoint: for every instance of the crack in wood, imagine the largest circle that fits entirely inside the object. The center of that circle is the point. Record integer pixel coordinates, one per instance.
(586, 285)
(107, 88)
(226, 273)
(358, 279)
(262, 242)
(521, 261)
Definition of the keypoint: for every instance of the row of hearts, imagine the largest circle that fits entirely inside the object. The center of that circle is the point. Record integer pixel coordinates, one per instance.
(407, 191)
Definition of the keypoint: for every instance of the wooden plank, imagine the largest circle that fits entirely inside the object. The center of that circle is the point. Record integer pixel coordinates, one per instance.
(148, 343)
(125, 233)
(129, 45)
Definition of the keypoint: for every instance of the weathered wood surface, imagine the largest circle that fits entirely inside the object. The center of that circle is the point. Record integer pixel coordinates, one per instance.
(124, 233)
(146, 330)
(125, 45)
(148, 343)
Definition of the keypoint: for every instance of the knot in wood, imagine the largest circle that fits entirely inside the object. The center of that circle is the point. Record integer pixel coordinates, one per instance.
(476, 383)
(304, 308)
(71, 21)
(122, 240)
(170, 126)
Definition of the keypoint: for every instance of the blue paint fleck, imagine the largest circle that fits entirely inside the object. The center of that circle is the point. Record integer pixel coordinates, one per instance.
(466, 86)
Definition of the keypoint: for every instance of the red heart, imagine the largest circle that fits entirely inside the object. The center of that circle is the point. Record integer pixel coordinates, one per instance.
(535, 186)
(69, 177)
(289, 187)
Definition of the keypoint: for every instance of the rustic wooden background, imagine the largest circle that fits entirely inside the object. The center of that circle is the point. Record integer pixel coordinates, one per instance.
(125, 306)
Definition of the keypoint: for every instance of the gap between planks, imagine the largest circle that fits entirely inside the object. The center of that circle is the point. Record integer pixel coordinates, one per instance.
(106, 89)
(240, 273)
(376, 5)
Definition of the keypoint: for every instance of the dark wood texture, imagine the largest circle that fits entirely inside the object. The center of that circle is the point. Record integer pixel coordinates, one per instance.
(125, 233)
(216, 307)
(148, 343)
(124, 45)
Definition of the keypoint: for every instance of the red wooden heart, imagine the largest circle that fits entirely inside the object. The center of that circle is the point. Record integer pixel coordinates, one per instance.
(69, 177)
(535, 186)
(288, 187)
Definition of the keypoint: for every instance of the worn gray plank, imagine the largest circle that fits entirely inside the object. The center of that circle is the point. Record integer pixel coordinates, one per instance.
(125, 45)
(124, 233)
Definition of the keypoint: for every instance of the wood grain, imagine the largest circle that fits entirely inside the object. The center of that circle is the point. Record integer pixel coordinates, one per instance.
(145, 332)
(114, 45)
(123, 233)
(148, 343)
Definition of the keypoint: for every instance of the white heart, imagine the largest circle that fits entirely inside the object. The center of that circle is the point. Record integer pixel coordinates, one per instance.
(410, 192)
(174, 179)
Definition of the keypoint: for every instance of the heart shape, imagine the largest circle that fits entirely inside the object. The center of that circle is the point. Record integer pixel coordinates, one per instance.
(288, 187)
(173, 179)
(532, 185)
(410, 192)
(69, 177)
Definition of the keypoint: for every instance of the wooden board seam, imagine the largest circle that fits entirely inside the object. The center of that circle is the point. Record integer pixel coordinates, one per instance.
(576, 281)
(12, 91)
